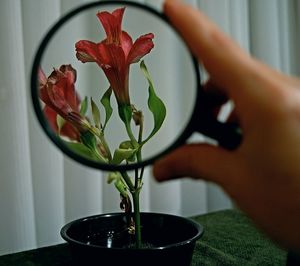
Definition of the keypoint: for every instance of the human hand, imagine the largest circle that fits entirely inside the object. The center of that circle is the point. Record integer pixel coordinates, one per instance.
(263, 174)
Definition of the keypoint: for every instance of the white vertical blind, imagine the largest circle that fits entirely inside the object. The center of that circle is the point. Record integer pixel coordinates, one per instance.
(40, 189)
(289, 37)
(46, 159)
(295, 37)
(264, 27)
(17, 225)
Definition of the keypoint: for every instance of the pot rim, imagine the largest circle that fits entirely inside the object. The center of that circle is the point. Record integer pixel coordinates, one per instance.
(196, 225)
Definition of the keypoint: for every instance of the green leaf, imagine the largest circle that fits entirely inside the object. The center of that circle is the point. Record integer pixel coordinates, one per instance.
(126, 145)
(105, 100)
(155, 104)
(89, 140)
(118, 182)
(113, 176)
(82, 150)
(125, 113)
(122, 154)
(96, 113)
(60, 122)
(83, 106)
(121, 187)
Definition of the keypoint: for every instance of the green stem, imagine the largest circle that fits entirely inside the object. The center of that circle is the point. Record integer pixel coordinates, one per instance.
(141, 175)
(128, 182)
(126, 114)
(130, 135)
(139, 153)
(137, 218)
(140, 139)
(136, 180)
(135, 193)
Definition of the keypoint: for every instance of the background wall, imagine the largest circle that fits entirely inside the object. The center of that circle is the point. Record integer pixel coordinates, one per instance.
(40, 189)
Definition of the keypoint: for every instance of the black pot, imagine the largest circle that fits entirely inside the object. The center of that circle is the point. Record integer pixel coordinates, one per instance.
(105, 240)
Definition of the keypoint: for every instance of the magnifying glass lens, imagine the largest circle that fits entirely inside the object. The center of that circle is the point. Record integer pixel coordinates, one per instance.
(114, 85)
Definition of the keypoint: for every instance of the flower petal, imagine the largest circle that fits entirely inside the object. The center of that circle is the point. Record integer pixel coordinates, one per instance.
(116, 70)
(111, 56)
(43, 94)
(70, 93)
(51, 115)
(68, 130)
(126, 43)
(58, 102)
(42, 77)
(118, 14)
(69, 72)
(142, 46)
(111, 23)
(86, 51)
(59, 91)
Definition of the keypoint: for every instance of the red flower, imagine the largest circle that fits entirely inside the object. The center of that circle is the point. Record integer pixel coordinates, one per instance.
(115, 54)
(67, 130)
(60, 97)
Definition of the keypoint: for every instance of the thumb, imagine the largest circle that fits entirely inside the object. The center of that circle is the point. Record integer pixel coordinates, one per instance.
(199, 161)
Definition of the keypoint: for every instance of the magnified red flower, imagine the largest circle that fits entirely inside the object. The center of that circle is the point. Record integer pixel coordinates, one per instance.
(60, 98)
(115, 53)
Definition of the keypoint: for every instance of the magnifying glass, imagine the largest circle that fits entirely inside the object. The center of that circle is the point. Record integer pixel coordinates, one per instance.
(115, 87)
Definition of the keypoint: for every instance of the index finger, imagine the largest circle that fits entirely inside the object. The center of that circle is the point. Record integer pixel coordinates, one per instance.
(227, 64)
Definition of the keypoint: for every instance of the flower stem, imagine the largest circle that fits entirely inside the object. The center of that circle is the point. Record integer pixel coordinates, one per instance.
(128, 182)
(137, 218)
(130, 135)
(138, 185)
(139, 153)
(135, 193)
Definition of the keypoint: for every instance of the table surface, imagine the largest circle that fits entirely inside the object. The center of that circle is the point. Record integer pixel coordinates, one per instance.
(229, 239)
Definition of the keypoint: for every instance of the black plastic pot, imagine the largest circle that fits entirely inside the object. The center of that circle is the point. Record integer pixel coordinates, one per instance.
(105, 240)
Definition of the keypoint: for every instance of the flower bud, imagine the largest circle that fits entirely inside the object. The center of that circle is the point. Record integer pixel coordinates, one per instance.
(137, 116)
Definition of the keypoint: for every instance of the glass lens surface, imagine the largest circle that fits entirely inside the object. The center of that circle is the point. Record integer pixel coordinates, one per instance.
(115, 85)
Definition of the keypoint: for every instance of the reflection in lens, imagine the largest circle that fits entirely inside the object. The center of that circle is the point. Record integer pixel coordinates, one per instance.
(109, 89)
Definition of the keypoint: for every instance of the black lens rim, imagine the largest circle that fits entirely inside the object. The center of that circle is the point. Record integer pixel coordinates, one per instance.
(45, 125)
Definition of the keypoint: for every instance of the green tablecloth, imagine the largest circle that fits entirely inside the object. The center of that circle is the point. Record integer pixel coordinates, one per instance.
(229, 239)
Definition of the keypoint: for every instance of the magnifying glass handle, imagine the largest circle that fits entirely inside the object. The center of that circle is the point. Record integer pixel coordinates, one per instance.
(228, 135)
